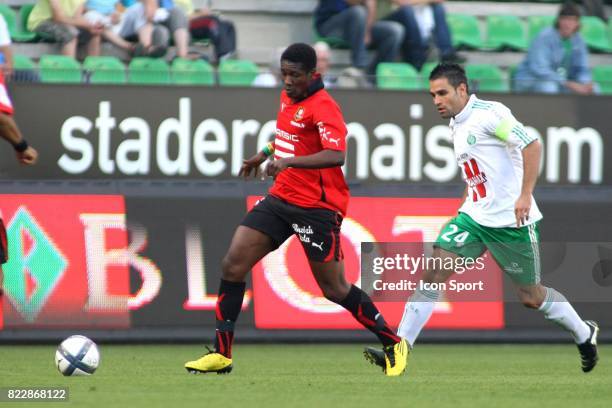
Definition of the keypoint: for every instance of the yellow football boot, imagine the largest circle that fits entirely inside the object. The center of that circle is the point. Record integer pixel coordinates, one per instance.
(396, 358)
(210, 362)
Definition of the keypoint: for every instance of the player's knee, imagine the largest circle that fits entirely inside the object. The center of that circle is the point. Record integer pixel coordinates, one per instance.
(333, 293)
(358, 14)
(231, 269)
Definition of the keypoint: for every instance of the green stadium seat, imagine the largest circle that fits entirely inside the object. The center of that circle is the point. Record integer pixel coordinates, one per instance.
(10, 18)
(151, 71)
(425, 71)
(21, 62)
(486, 78)
(505, 32)
(23, 34)
(397, 75)
(535, 24)
(465, 31)
(59, 69)
(595, 34)
(187, 72)
(237, 72)
(104, 70)
(602, 75)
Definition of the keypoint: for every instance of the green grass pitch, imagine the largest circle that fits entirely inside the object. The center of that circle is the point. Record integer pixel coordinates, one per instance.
(516, 376)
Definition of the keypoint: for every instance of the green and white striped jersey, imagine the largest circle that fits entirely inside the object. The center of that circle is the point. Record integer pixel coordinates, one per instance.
(488, 141)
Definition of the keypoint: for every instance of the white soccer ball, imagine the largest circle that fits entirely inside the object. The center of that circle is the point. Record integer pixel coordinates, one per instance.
(77, 355)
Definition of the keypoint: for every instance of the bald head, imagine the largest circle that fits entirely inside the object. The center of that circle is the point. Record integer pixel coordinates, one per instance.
(323, 56)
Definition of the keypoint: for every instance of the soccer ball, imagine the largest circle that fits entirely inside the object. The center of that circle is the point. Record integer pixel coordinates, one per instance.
(77, 355)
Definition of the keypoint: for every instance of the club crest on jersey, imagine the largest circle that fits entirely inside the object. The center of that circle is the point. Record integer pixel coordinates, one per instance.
(299, 114)
(471, 139)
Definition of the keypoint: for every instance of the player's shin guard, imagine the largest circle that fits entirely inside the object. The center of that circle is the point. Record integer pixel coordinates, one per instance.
(227, 311)
(557, 309)
(363, 309)
(417, 312)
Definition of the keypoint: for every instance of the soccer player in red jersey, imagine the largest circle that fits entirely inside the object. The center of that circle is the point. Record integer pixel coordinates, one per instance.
(25, 155)
(309, 198)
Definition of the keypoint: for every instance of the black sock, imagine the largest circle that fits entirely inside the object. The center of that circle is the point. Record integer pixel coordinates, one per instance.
(228, 308)
(363, 309)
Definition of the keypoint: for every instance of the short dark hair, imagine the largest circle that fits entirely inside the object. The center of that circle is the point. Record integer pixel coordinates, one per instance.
(569, 9)
(453, 72)
(301, 53)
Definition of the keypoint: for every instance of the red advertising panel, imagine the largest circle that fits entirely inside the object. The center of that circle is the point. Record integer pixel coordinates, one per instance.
(68, 261)
(286, 295)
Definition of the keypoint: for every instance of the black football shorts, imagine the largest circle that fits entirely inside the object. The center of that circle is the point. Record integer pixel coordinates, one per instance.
(318, 229)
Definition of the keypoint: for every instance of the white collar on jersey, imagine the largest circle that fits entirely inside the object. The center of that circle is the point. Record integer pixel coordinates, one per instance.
(467, 109)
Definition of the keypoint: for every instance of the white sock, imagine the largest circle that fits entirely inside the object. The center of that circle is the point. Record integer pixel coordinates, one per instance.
(557, 309)
(417, 312)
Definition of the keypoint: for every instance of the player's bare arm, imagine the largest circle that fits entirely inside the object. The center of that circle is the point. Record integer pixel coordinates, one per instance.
(10, 132)
(320, 160)
(531, 164)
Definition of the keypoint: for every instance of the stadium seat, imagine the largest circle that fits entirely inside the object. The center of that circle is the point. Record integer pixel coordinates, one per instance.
(486, 78)
(9, 17)
(59, 68)
(23, 62)
(505, 31)
(23, 34)
(595, 34)
(602, 75)
(535, 24)
(152, 71)
(237, 72)
(104, 70)
(425, 71)
(187, 72)
(465, 31)
(397, 75)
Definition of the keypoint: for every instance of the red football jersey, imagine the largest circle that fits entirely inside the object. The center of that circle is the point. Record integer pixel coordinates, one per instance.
(302, 129)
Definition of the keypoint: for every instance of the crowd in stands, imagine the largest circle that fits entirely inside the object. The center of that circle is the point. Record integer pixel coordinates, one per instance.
(374, 31)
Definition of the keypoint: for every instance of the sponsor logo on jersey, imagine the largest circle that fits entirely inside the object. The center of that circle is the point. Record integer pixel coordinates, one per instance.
(471, 139)
(297, 124)
(299, 114)
(286, 135)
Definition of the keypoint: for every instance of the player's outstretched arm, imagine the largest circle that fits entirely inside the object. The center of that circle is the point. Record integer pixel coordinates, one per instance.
(531, 164)
(10, 132)
(320, 160)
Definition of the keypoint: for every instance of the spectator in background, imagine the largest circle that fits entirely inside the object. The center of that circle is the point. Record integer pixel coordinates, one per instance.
(62, 21)
(272, 77)
(354, 21)
(164, 13)
(107, 14)
(323, 61)
(135, 26)
(557, 60)
(204, 25)
(423, 21)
